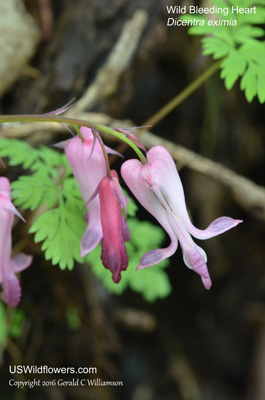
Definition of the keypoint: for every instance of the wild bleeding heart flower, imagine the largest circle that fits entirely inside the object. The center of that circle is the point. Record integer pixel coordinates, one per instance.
(115, 230)
(88, 169)
(158, 187)
(8, 266)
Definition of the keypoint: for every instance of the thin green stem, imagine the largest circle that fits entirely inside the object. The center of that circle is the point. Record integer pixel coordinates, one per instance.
(97, 136)
(176, 101)
(122, 137)
(72, 121)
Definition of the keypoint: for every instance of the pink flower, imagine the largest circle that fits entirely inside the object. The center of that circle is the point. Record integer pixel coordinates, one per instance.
(8, 266)
(158, 188)
(88, 169)
(115, 231)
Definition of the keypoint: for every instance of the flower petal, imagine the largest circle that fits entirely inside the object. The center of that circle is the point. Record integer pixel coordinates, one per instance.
(114, 182)
(7, 205)
(113, 255)
(125, 230)
(20, 262)
(153, 257)
(196, 258)
(93, 233)
(218, 226)
(140, 179)
(62, 144)
(12, 290)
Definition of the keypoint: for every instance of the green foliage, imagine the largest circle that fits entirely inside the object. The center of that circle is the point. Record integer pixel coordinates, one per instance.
(31, 192)
(60, 224)
(72, 318)
(151, 282)
(241, 46)
(61, 231)
(42, 160)
(3, 324)
(16, 324)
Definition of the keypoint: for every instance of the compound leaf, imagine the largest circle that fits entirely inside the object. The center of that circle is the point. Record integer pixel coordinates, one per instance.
(61, 230)
(249, 83)
(18, 152)
(215, 46)
(33, 191)
(243, 53)
(233, 66)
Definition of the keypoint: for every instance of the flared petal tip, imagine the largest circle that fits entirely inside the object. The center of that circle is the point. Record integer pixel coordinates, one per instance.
(21, 261)
(89, 241)
(207, 283)
(152, 257)
(223, 224)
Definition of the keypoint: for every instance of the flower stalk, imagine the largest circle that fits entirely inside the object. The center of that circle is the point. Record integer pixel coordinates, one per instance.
(73, 122)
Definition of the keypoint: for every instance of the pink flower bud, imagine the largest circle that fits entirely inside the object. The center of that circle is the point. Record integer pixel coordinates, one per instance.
(115, 231)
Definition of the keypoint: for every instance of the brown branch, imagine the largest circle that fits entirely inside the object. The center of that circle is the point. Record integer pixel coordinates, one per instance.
(106, 81)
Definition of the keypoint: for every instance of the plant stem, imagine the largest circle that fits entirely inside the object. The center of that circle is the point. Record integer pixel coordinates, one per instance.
(72, 121)
(98, 137)
(176, 101)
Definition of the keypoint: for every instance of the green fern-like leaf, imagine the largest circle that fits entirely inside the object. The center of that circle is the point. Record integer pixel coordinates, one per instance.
(31, 192)
(233, 67)
(19, 153)
(36, 160)
(3, 324)
(242, 46)
(61, 230)
(216, 46)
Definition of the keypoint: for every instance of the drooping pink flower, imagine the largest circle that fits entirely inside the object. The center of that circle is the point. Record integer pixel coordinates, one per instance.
(158, 187)
(8, 266)
(115, 230)
(88, 169)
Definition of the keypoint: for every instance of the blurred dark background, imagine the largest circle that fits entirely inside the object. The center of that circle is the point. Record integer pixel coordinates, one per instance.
(194, 345)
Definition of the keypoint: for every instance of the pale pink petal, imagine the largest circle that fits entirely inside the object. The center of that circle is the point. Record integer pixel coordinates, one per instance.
(20, 262)
(140, 180)
(88, 169)
(7, 205)
(195, 258)
(5, 187)
(218, 226)
(125, 230)
(153, 257)
(10, 283)
(12, 290)
(157, 186)
(93, 233)
(86, 132)
(61, 145)
(89, 241)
